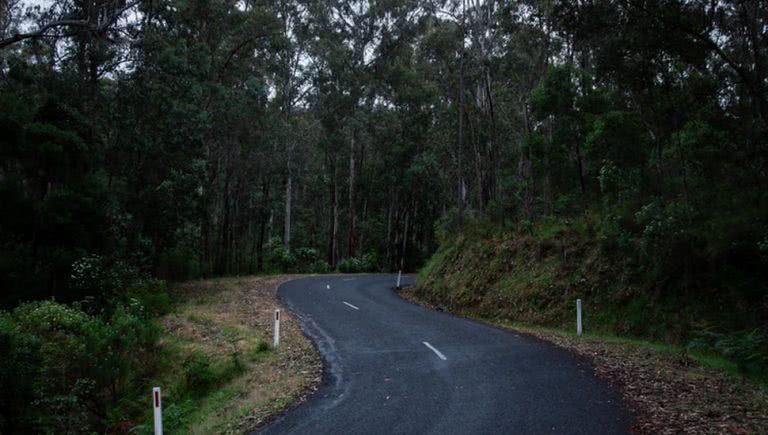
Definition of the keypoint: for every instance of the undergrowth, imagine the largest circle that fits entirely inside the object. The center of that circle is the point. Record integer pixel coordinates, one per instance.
(533, 273)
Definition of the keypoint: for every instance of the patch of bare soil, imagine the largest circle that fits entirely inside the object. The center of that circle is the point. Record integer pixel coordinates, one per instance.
(667, 393)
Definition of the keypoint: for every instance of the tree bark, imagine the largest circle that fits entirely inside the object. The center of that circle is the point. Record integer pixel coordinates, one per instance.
(460, 139)
(389, 230)
(263, 230)
(405, 242)
(352, 211)
(288, 197)
(334, 224)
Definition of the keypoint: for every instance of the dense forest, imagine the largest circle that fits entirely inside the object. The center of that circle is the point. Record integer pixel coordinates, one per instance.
(148, 140)
(196, 138)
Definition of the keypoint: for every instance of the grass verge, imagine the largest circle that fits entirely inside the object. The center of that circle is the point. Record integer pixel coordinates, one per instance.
(220, 373)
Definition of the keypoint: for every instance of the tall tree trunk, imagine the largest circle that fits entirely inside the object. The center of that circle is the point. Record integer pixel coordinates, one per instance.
(269, 223)
(263, 230)
(352, 212)
(389, 230)
(405, 241)
(252, 237)
(288, 197)
(334, 224)
(205, 253)
(460, 141)
(525, 173)
(222, 251)
(580, 167)
(478, 160)
(493, 144)
(363, 218)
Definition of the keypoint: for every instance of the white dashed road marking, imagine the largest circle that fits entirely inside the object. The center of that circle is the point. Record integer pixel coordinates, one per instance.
(437, 352)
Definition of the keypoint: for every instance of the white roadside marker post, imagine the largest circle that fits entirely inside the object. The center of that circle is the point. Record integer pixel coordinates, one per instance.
(158, 409)
(399, 274)
(578, 317)
(276, 338)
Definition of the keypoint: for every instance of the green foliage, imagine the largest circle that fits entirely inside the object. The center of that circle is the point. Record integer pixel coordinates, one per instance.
(110, 284)
(320, 266)
(279, 256)
(198, 374)
(608, 135)
(748, 349)
(18, 374)
(174, 416)
(556, 93)
(366, 263)
(618, 136)
(179, 264)
(641, 276)
(262, 347)
(300, 260)
(308, 261)
(75, 368)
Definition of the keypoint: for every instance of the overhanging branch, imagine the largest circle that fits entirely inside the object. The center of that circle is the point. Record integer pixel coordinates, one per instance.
(82, 25)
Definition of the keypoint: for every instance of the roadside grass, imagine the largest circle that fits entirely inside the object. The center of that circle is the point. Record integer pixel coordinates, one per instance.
(220, 373)
(705, 359)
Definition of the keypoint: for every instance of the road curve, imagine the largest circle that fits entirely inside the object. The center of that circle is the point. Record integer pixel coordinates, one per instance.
(395, 367)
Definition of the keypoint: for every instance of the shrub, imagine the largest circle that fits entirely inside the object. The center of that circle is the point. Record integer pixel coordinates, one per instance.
(451, 223)
(350, 265)
(263, 346)
(198, 374)
(88, 275)
(366, 263)
(63, 368)
(320, 266)
(178, 264)
(106, 285)
(124, 345)
(748, 349)
(18, 374)
(300, 260)
(280, 258)
(151, 294)
(306, 255)
(260, 351)
(175, 417)
(308, 261)
(66, 365)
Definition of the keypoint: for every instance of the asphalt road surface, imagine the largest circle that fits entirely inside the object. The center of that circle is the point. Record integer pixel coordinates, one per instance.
(395, 367)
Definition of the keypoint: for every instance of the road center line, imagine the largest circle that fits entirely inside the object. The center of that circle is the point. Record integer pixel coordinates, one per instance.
(348, 279)
(350, 305)
(437, 352)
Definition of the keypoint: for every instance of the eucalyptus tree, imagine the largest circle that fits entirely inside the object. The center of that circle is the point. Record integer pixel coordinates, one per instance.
(344, 34)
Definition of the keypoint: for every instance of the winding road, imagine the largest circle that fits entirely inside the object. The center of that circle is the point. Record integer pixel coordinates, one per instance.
(395, 367)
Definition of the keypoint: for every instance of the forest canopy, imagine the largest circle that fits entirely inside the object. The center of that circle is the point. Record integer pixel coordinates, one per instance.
(191, 138)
